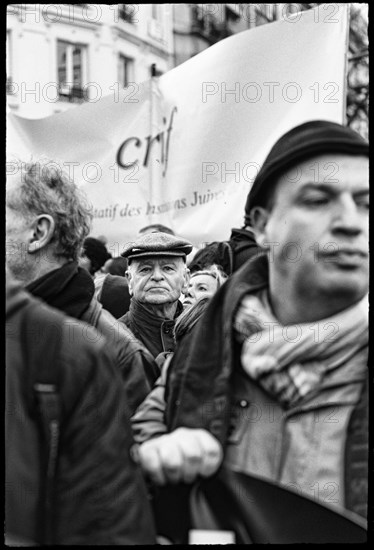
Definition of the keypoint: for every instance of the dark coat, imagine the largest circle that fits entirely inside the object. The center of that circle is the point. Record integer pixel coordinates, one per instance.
(156, 333)
(99, 494)
(70, 289)
(138, 368)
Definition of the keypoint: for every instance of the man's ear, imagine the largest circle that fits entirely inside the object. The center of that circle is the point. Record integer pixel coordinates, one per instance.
(259, 219)
(129, 281)
(43, 230)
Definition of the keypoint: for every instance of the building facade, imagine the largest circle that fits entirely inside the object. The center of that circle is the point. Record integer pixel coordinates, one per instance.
(198, 26)
(59, 55)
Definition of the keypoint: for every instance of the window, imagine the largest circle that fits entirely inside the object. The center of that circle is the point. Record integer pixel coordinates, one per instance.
(125, 70)
(155, 23)
(206, 24)
(71, 62)
(155, 11)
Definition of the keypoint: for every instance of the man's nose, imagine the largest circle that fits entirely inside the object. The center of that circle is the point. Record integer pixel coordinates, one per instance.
(157, 273)
(348, 218)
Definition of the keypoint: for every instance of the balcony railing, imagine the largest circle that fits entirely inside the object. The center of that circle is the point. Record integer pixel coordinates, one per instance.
(9, 86)
(73, 94)
(206, 26)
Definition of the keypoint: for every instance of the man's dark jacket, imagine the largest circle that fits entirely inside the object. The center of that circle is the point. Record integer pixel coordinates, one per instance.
(156, 333)
(99, 497)
(71, 290)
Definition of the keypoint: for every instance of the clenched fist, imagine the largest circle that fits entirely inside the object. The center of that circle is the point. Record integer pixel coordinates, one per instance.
(180, 456)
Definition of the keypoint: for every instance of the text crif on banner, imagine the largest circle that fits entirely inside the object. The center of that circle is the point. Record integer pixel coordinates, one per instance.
(183, 149)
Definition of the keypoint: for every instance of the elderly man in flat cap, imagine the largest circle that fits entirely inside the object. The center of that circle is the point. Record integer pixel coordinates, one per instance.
(157, 275)
(275, 380)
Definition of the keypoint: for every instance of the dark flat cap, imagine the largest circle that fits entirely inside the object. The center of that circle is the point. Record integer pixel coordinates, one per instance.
(312, 138)
(157, 244)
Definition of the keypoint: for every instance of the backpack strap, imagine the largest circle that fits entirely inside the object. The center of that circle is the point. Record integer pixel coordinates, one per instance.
(42, 356)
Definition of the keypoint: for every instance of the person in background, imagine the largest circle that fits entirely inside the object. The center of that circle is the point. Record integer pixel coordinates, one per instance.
(157, 275)
(47, 221)
(228, 255)
(94, 255)
(111, 287)
(203, 283)
(115, 266)
(276, 378)
(64, 393)
(103, 239)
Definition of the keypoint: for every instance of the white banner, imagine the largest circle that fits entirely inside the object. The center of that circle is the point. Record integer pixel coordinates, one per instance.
(183, 149)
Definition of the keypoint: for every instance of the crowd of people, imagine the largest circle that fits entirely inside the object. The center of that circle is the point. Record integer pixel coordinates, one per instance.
(128, 375)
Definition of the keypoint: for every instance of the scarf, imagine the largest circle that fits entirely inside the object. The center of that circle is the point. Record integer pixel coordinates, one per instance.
(198, 393)
(69, 288)
(289, 362)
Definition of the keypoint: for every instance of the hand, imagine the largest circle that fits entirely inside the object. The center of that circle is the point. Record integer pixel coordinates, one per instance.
(180, 456)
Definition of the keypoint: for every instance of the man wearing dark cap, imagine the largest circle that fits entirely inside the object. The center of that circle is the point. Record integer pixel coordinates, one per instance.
(157, 275)
(276, 375)
(94, 255)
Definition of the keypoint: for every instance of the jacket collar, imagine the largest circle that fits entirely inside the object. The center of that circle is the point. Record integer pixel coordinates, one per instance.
(148, 327)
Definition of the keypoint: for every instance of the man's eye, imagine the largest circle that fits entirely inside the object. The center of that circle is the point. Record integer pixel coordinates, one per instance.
(363, 203)
(202, 288)
(144, 270)
(168, 268)
(315, 201)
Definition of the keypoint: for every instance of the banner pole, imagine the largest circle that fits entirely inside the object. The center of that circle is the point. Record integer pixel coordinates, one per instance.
(153, 74)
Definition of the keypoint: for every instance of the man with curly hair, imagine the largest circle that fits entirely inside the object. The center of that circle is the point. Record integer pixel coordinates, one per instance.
(47, 221)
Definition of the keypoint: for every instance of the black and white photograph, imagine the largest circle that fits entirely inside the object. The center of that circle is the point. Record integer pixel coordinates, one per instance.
(187, 274)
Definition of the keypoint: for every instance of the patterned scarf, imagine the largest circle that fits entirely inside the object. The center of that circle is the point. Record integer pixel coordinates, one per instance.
(291, 361)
